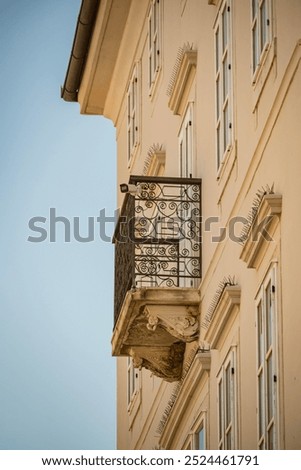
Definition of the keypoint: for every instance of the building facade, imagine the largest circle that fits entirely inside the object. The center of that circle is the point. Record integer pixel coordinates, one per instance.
(205, 96)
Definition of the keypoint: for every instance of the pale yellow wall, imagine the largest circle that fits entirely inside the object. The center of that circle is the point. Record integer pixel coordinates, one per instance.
(266, 150)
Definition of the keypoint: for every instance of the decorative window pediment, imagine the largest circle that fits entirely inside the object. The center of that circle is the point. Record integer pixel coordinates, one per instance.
(155, 161)
(182, 76)
(225, 307)
(261, 229)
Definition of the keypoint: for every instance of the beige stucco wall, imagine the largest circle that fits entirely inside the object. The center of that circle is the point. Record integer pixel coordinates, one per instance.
(266, 150)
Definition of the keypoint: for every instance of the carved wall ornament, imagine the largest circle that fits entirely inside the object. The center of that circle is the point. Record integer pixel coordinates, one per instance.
(164, 362)
(180, 321)
(154, 328)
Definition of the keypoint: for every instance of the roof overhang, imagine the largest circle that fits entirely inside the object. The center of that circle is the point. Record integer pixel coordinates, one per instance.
(96, 47)
(80, 47)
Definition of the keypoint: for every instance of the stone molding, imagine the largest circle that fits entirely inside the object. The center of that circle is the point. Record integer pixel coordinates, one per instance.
(262, 229)
(227, 305)
(184, 76)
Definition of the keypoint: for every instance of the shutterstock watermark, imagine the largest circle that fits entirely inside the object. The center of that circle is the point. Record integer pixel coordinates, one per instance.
(58, 228)
(47, 229)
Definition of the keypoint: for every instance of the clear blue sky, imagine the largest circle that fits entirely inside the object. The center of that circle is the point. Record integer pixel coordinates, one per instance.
(57, 376)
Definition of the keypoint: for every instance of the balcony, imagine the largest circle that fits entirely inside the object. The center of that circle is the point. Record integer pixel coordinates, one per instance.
(157, 272)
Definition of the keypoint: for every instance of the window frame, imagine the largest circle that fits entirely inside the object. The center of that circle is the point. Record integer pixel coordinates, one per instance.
(154, 43)
(133, 114)
(132, 382)
(227, 402)
(223, 83)
(192, 440)
(187, 164)
(186, 141)
(201, 425)
(260, 47)
(266, 352)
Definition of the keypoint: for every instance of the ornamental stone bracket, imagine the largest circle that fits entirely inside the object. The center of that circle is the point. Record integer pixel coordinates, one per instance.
(180, 321)
(154, 326)
(164, 362)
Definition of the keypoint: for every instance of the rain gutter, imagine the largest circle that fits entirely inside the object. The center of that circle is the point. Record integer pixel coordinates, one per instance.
(80, 49)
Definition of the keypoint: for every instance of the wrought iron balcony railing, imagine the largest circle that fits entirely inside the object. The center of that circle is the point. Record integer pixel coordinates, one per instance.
(158, 236)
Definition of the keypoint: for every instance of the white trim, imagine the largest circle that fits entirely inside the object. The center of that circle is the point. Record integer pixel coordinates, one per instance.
(266, 350)
(132, 382)
(154, 44)
(258, 56)
(223, 82)
(133, 98)
(186, 143)
(227, 395)
(200, 424)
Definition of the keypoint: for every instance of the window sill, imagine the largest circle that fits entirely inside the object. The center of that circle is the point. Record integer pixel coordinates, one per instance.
(133, 155)
(226, 167)
(154, 85)
(262, 71)
(133, 407)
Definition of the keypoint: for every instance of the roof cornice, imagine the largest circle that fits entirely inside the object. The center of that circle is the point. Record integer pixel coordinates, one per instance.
(80, 48)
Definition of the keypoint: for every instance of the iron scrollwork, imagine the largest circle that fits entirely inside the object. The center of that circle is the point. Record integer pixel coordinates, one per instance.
(158, 236)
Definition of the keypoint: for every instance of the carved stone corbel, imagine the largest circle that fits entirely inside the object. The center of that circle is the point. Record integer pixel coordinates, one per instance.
(179, 321)
(154, 327)
(165, 362)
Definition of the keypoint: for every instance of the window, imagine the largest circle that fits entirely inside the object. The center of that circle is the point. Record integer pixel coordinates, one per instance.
(266, 363)
(196, 439)
(200, 437)
(223, 82)
(261, 30)
(227, 403)
(187, 221)
(132, 381)
(186, 144)
(133, 115)
(154, 26)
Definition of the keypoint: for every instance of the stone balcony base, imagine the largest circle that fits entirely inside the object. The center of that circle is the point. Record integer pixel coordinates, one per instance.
(153, 326)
